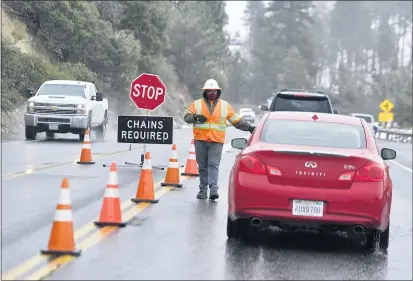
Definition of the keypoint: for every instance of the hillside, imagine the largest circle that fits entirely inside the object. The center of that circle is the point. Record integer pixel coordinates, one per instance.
(96, 41)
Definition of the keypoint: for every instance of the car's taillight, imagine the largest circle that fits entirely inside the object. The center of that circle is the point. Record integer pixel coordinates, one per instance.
(253, 165)
(370, 172)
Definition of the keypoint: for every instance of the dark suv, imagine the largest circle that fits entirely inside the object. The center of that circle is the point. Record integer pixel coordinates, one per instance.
(300, 100)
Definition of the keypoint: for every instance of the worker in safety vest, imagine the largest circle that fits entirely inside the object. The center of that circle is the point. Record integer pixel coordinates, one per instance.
(209, 117)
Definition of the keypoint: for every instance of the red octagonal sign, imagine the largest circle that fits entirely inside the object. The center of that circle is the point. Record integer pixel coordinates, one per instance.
(148, 91)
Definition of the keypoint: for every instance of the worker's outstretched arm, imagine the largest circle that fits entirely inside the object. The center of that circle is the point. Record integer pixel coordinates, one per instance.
(189, 114)
(237, 121)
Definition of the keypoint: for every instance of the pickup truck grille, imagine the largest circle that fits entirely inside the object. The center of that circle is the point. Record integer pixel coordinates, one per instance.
(55, 104)
(56, 111)
(57, 120)
(54, 108)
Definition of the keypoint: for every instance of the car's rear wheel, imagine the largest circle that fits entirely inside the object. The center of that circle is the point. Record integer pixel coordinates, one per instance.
(232, 228)
(380, 238)
(384, 239)
(372, 239)
(238, 229)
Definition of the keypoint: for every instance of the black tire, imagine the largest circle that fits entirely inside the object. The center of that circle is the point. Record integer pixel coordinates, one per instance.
(384, 239)
(371, 241)
(101, 129)
(49, 135)
(238, 229)
(232, 229)
(82, 135)
(30, 134)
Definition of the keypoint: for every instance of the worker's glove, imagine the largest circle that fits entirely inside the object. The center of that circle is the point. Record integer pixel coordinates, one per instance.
(251, 129)
(200, 118)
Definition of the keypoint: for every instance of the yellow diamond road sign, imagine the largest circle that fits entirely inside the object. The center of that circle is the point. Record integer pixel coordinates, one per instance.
(386, 116)
(386, 105)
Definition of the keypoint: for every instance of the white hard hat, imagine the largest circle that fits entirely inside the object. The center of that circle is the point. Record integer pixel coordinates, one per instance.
(211, 84)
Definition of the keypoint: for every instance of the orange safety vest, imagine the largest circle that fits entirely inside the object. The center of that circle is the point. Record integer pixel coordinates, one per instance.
(213, 130)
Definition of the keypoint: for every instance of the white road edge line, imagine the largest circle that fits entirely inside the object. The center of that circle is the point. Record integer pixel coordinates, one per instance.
(402, 166)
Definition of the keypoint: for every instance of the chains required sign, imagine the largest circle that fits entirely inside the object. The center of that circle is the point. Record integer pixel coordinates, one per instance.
(145, 129)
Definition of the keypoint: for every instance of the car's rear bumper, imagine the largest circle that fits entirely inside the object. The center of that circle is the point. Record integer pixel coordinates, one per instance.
(366, 204)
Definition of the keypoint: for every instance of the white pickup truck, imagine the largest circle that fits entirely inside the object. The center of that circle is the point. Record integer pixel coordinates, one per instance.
(64, 106)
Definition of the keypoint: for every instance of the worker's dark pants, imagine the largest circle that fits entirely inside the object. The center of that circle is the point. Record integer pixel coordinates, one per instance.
(208, 157)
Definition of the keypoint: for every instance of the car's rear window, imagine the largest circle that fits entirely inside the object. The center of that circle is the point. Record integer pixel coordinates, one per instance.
(300, 103)
(313, 133)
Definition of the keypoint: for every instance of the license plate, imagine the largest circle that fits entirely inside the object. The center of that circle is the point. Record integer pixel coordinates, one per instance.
(308, 208)
(53, 127)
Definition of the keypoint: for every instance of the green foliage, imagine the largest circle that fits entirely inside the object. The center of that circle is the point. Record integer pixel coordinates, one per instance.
(351, 51)
(24, 71)
(199, 46)
(113, 42)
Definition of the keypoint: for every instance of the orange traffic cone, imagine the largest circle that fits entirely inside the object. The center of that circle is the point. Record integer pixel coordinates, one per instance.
(146, 189)
(86, 155)
(62, 239)
(111, 212)
(191, 167)
(172, 173)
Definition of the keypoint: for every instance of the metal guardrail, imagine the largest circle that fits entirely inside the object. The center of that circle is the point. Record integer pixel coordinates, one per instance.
(395, 135)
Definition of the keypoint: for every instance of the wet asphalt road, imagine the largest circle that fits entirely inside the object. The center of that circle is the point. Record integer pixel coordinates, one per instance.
(178, 238)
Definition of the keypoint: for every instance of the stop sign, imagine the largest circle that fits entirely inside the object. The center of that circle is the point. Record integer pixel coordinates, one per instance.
(147, 91)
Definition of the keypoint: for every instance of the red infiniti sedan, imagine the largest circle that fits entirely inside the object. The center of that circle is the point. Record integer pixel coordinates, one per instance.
(311, 171)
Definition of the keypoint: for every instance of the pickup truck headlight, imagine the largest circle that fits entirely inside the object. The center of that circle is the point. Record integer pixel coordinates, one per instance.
(30, 107)
(80, 109)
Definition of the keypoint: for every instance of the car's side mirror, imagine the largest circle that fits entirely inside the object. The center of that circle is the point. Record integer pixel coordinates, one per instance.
(29, 93)
(99, 97)
(335, 111)
(239, 143)
(264, 107)
(388, 154)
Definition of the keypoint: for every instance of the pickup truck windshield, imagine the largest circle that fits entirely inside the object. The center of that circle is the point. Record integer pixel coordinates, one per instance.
(62, 90)
(300, 103)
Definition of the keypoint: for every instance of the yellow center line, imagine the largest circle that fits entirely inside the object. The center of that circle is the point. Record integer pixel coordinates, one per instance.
(93, 239)
(29, 264)
(52, 166)
(21, 269)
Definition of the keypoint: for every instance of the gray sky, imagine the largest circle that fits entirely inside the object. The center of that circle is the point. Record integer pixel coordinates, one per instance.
(235, 11)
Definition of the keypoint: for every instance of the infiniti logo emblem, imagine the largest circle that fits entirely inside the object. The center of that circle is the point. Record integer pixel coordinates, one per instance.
(310, 164)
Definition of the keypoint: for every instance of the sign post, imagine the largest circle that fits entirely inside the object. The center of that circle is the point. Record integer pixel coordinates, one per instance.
(147, 92)
(386, 115)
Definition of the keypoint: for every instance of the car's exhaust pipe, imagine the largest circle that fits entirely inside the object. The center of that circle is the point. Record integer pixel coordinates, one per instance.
(358, 229)
(256, 222)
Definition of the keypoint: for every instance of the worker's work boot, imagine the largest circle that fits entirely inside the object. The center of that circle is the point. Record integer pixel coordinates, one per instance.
(202, 194)
(213, 194)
